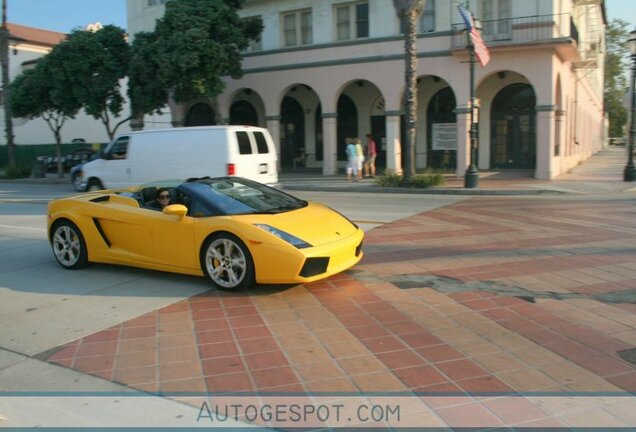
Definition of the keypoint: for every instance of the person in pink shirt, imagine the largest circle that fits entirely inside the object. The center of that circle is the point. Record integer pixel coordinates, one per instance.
(372, 152)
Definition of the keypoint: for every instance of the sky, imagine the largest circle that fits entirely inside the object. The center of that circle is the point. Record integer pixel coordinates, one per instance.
(623, 9)
(65, 15)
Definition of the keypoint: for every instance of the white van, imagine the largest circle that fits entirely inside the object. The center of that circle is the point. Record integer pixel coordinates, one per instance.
(182, 153)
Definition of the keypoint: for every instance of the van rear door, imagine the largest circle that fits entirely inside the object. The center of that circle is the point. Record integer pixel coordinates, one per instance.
(255, 157)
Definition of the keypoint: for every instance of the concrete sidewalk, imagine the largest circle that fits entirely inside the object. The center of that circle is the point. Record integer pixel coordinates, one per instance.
(601, 173)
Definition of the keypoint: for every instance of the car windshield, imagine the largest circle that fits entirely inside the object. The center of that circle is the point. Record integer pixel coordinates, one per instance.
(233, 196)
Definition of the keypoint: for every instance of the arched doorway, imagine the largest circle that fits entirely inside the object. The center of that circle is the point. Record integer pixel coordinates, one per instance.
(441, 111)
(243, 113)
(200, 114)
(513, 123)
(292, 131)
(347, 123)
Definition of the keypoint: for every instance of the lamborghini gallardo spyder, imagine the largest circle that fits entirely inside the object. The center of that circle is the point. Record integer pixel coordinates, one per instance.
(235, 231)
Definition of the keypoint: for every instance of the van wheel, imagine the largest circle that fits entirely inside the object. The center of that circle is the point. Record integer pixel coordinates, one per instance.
(227, 262)
(77, 182)
(94, 185)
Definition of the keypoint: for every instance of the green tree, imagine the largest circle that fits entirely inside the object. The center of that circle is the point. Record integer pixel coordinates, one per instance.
(198, 42)
(43, 92)
(94, 64)
(409, 11)
(616, 83)
(146, 92)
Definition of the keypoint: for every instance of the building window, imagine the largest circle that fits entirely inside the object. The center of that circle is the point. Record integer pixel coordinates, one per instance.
(152, 3)
(496, 18)
(427, 20)
(256, 44)
(352, 21)
(297, 29)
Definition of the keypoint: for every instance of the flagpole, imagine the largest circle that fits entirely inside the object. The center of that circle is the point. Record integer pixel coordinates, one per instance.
(471, 177)
(477, 50)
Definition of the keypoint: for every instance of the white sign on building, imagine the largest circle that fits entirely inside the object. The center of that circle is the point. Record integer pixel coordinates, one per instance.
(444, 136)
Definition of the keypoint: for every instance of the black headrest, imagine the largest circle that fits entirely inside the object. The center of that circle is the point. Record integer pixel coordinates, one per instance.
(148, 194)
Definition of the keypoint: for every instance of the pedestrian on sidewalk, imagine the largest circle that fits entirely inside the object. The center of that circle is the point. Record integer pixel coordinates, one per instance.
(352, 159)
(359, 157)
(372, 152)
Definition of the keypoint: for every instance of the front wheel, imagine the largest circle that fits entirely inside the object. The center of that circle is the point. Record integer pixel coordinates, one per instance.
(94, 185)
(69, 246)
(77, 182)
(227, 262)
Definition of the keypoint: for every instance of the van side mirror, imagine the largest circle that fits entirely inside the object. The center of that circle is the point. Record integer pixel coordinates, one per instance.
(175, 210)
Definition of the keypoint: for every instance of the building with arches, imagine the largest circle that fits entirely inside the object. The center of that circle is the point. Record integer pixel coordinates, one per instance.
(326, 70)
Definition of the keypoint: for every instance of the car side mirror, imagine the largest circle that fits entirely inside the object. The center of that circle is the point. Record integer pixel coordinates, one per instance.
(175, 210)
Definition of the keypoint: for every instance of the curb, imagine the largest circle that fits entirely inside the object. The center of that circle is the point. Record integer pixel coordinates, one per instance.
(63, 180)
(436, 191)
(358, 189)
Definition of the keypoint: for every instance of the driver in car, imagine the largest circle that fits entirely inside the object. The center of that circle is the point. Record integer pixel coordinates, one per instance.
(162, 199)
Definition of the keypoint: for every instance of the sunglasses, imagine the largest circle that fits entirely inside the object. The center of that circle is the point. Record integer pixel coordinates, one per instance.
(164, 196)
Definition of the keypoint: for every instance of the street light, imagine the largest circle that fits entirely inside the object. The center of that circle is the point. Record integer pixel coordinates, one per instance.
(630, 171)
(471, 177)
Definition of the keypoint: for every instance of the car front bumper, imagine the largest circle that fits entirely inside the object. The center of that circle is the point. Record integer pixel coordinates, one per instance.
(289, 265)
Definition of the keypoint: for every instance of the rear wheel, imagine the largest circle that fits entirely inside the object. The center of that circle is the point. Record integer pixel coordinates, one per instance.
(69, 246)
(227, 262)
(94, 185)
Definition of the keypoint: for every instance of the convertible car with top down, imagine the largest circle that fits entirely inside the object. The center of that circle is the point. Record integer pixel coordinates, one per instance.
(236, 231)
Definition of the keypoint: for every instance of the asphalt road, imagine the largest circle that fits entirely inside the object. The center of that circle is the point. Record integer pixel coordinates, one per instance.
(35, 290)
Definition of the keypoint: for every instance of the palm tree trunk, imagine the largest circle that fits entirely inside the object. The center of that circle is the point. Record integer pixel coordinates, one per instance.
(410, 97)
(409, 11)
(4, 59)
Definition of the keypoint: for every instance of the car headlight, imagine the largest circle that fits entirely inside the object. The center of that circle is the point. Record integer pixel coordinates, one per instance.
(293, 240)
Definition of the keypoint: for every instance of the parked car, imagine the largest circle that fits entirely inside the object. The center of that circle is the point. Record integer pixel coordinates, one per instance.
(235, 231)
(69, 159)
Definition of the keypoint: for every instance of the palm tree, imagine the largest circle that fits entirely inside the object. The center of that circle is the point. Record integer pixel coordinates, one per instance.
(409, 11)
(4, 59)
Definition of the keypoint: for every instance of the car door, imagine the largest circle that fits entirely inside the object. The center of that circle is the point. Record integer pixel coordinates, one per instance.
(151, 236)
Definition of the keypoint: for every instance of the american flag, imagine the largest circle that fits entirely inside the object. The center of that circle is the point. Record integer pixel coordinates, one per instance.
(481, 50)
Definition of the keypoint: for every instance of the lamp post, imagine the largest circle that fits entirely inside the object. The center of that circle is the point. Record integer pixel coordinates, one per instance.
(471, 177)
(630, 171)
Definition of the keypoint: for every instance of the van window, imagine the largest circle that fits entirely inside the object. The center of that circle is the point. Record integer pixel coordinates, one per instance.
(119, 148)
(261, 143)
(244, 143)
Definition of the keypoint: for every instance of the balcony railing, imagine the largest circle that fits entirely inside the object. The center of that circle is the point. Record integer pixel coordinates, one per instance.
(522, 30)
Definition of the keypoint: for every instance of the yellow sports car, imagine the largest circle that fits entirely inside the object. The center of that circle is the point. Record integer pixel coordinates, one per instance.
(235, 231)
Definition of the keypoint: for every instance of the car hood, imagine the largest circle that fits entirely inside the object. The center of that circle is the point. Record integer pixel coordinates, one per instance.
(316, 224)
